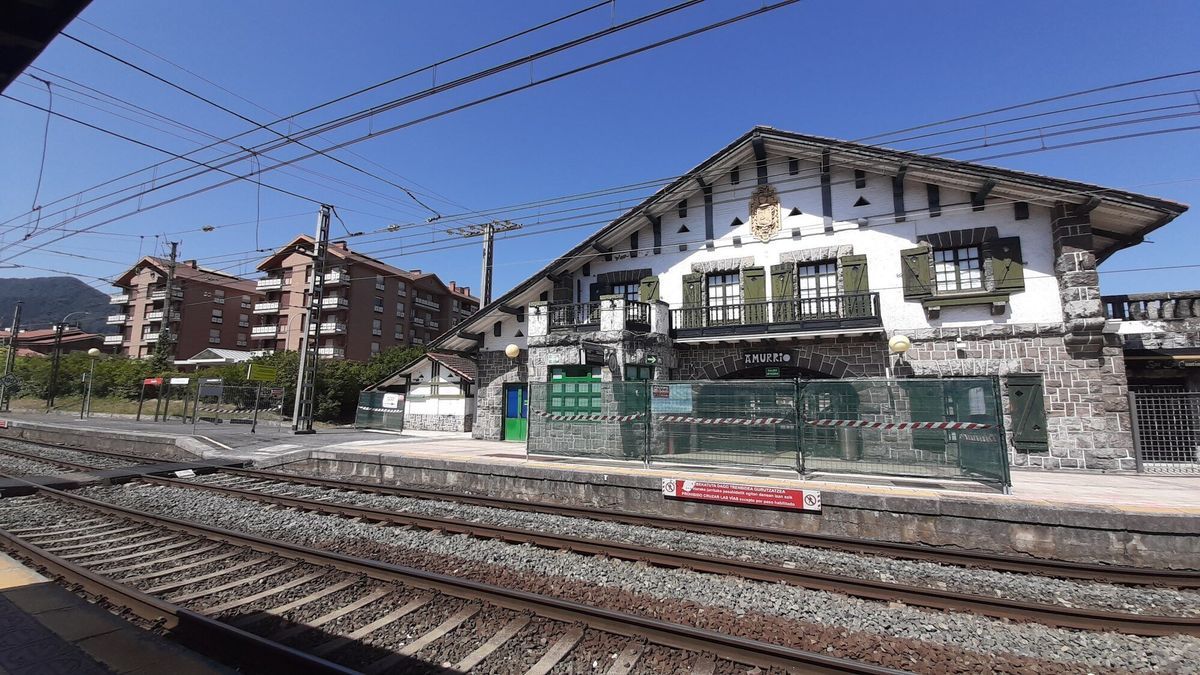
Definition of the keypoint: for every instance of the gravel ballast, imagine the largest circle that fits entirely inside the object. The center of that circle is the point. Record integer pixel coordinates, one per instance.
(1012, 586)
(65, 455)
(461, 554)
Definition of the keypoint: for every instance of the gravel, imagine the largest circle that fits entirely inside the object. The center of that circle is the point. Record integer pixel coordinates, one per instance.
(1012, 586)
(62, 454)
(20, 466)
(667, 587)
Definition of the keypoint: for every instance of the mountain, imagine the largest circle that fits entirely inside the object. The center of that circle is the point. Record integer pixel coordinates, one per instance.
(49, 299)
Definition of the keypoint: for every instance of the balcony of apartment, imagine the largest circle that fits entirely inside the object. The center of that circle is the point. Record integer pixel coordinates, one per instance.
(329, 328)
(266, 308)
(161, 294)
(427, 304)
(156, 315)
(336, 278)
(150, 338)
(261, 352)
(331, 352)
(433, 325)
(792, 316)
(269, 284)
(264, 332)
(334, 304)
(418, 321)
(113, 340)
(116, 319)
(118, 299)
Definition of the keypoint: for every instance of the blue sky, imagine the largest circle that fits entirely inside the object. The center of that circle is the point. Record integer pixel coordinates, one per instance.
(847, 70)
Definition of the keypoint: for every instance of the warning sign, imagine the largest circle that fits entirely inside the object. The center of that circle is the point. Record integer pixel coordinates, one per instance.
(671, 398)
(747, 495)
(3, 424)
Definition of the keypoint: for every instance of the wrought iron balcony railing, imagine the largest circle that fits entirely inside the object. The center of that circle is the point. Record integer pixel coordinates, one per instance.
(792, 315)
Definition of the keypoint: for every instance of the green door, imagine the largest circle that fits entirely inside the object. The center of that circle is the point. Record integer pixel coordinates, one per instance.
(516, 412)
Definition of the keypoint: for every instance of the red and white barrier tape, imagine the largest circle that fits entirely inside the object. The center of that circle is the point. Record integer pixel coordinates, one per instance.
(586, 417)
(862, 424)
(737, 421)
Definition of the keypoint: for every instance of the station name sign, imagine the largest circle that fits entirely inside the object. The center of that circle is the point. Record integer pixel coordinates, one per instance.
(761, 496)
(767, 358)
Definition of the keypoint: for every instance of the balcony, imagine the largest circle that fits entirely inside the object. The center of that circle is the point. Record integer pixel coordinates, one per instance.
(1166, 306)
(116, 319)
(261, 352)
(118, 299)
(162, 294)
(150, 338)
(778, 317)
(269, 284)
(428, 304)
(578, 316)
(329, 328)
(154, 316)
(334, 304)
(260, 332)
(266, 308)
(433, 325)
(331, 352)
(113, 340)
(336, 278)
(418, 321)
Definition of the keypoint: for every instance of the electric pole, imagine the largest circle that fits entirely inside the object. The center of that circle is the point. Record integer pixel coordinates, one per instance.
(166, 342)
(10, 359)
(310, 335)
(488, 232)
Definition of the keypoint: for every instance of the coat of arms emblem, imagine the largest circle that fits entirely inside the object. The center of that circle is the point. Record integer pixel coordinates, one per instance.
(765, 219)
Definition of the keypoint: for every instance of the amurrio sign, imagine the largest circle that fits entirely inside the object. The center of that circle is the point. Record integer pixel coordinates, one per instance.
(744, 495)
(767, 358)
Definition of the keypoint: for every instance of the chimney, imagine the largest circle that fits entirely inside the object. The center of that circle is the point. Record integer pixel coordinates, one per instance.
(190, 263)
(453, 288)
(341, 244)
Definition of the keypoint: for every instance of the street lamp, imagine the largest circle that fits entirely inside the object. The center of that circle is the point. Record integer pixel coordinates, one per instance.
(58, 332)
(898, 345)
(85, 407)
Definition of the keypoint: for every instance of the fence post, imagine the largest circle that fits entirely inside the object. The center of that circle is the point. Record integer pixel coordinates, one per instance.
(254, 422)
(1137, 437)
(649, 420)
(796, 410)
(141, 399)
(1003, 437)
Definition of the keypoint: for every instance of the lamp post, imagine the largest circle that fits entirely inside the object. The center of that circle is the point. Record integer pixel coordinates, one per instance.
(898, 345)
(58, 333)
(85, 407)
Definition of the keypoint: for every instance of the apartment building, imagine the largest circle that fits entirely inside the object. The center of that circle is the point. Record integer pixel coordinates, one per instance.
(208, 309)
(368, 306)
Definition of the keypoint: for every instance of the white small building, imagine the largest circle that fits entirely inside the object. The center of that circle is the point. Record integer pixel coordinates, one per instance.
(439, 391)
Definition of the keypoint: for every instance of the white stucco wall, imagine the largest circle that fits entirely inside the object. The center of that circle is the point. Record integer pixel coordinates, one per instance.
(449, 401)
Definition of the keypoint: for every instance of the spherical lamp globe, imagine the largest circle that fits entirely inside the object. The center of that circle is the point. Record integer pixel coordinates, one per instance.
(899, 344)
(512, 351)
(93, 352)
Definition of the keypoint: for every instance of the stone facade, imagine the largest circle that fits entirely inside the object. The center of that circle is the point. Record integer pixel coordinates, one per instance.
(438, 422)
(495, 369)
(843, 357)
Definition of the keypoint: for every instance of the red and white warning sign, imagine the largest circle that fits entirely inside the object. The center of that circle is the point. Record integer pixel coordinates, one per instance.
(3, 424)
(747, 495)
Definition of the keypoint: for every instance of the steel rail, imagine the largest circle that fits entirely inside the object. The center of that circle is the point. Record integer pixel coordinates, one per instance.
(1113, 574)
(688, 638)
(48, 460)
(1004, 608)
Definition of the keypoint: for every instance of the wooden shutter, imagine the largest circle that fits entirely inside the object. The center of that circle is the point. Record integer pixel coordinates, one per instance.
(915, 271)
(648, 289)
(1028, 407)
(754, 294)
(693, 301)
(783, 292)
(854, 285)
(1008, 268)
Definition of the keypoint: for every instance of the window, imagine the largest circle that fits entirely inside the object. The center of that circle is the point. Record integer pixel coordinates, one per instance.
(497, 329)
(398, 334)
(401, 290)
(217, 316)
(241, 340)
(681, 209)
(958, 269)
(243, 320)
(817, 287)
(575, 389)
(435, 372)
(379, 282)
(379, 305)
(631, 292)
(735, 176)
(246, 302)
(214, 336)
(636, 373)
(400, 309)
(860, 179)
(308, 274)
(724, 298)
(376, 327)
(219, 296)
(374, 348)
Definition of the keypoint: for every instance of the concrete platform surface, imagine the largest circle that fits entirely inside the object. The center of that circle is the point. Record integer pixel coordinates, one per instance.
(45, 628)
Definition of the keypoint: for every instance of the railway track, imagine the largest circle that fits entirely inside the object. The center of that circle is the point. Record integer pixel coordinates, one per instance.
(275, 606)
(1113, 574)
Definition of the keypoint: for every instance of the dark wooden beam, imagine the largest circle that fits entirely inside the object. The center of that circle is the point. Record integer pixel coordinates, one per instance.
(898, 193)
(978, 196)
(656, 231)
(708, 211)
(826, 191)
(1086, 207)
(760, 159)
(1116, 236)
(477, 337)
(509, 310)
(601, 247)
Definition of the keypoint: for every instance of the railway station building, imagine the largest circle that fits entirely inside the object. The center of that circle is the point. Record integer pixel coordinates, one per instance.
(785, 255)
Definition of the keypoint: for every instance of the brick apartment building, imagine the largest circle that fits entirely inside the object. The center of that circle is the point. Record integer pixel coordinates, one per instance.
(209, 309)
(368, 306)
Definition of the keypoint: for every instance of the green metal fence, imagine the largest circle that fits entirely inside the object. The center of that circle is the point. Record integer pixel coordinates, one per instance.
(939, 428)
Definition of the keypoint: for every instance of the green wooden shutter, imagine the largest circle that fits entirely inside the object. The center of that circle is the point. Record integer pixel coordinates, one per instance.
(692, 314)
(648, 290)
(854, 285)
(1028, 413)
(914, 270)
(1008, 268)
(754, 294)
(783, 292)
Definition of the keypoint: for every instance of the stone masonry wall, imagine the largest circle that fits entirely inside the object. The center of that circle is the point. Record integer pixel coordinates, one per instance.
(495, 369)
(437, 422)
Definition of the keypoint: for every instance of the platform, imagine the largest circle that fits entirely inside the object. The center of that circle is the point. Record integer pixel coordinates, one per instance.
(45, 628)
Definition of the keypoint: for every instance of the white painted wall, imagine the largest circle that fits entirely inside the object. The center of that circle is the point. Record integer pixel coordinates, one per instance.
(449, 400)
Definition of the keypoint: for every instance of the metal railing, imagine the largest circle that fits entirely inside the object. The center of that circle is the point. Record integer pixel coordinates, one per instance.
(789, 315)
(1166, 430)
(577, 315)
(637, 314)
(1147, 306)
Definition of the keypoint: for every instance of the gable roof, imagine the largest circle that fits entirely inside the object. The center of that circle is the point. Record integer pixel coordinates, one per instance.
(1127, 216)
(184, 270)
(460, 365)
